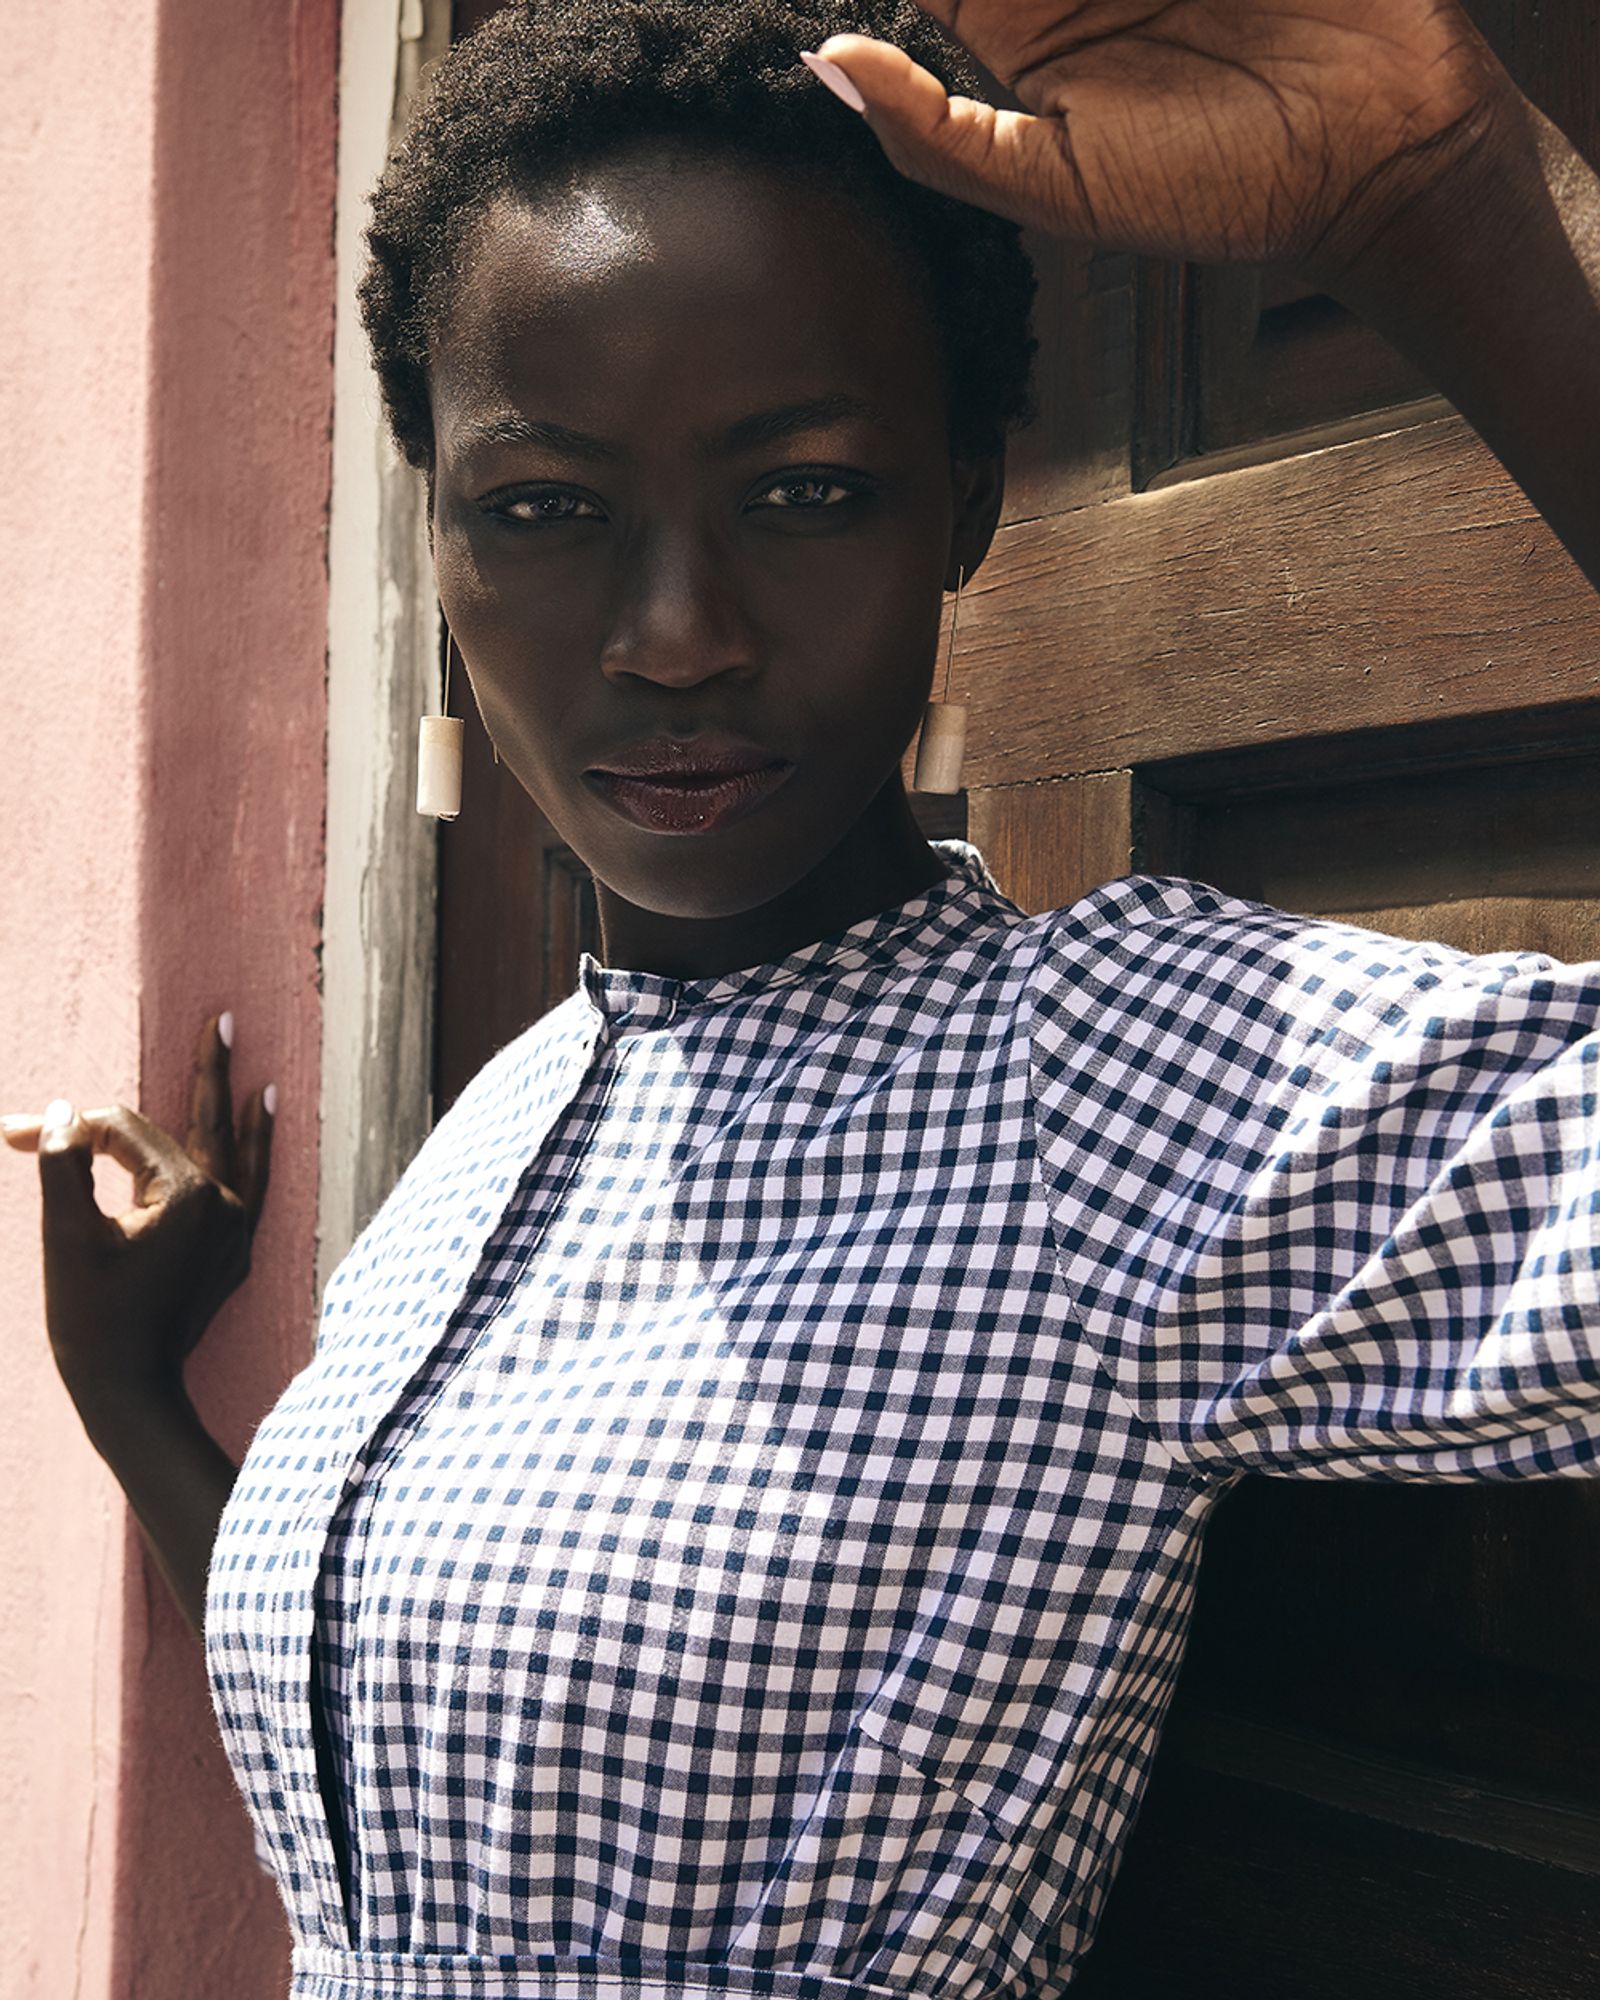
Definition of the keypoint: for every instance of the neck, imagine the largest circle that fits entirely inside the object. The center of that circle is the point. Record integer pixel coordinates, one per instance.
(883, 860)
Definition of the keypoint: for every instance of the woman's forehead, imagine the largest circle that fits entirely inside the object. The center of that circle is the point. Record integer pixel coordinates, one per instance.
(661, 218)
(700, 280)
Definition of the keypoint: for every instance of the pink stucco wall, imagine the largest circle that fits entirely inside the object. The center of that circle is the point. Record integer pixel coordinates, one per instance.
(165, 388)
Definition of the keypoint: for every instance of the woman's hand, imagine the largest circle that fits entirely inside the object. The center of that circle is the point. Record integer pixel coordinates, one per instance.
(1212, 130)
(127, 1296)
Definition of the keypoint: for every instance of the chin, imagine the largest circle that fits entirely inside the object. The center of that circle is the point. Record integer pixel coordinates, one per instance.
(704, 877)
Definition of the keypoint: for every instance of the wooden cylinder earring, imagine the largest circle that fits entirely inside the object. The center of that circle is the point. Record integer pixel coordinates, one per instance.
(439, 744)
(943, 741)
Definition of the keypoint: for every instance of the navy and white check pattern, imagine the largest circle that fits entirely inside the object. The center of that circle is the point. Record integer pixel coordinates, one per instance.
(737, 1532)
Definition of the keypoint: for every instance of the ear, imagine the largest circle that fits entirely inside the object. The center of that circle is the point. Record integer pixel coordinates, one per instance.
(978, 485)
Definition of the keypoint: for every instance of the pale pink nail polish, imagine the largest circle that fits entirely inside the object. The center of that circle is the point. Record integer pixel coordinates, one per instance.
(225, 1028)
(835, 78)
(269, 1097)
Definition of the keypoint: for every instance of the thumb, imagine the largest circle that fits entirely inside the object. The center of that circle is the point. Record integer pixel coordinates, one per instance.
(958, 146)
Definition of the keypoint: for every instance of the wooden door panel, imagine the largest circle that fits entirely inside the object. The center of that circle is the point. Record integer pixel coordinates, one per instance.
(1051, 843)
(1487, 858)
(1284, 1897)
(1237, 363)
(1075, 453)
(1395, 580)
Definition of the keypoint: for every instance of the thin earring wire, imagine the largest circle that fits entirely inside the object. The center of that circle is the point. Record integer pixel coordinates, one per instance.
(950, 649)
(944, 723)
(449, 655)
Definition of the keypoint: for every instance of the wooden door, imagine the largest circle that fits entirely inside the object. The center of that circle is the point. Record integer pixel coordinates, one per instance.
(1264, 611)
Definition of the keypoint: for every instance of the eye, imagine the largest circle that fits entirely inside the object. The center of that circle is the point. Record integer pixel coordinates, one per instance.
(806, 493)
(540, 506)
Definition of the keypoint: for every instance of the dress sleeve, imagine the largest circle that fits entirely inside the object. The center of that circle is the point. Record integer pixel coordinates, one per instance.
(1326, 1203)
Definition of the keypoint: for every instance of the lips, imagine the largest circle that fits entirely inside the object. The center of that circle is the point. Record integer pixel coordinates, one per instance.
(712, 754)
(695, 784)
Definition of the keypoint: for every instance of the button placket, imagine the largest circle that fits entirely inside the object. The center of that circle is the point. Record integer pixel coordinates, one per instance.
(366, 1468)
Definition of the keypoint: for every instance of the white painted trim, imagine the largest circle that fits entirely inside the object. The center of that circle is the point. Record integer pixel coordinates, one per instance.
(378, 926)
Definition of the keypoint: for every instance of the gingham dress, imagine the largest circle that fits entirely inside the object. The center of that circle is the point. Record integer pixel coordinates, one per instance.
(737, 1532)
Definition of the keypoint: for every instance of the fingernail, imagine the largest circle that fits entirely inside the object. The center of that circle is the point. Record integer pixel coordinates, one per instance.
(57, 1112)
(225, 1028)
(835, 78)
(269, 1098)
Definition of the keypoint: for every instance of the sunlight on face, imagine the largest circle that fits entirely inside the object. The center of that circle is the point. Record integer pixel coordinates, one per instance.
(590, 237)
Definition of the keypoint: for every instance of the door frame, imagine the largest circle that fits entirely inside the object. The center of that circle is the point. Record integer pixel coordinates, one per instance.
(380, 880)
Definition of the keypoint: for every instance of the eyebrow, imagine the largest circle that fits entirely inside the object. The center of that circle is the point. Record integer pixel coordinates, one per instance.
(763, 427)
(770, 426)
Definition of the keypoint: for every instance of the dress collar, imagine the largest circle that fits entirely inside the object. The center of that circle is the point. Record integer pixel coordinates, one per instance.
(928, 923)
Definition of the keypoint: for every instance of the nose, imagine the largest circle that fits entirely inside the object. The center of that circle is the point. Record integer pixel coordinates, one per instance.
(679, 620)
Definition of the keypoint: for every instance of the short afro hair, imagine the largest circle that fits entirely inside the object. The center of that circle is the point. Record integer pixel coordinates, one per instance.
(546, 86)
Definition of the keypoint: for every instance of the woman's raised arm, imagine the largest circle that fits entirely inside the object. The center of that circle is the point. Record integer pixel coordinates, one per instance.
(1378, 147)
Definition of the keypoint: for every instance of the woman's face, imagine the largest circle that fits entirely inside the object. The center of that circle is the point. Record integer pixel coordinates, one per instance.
(693, 510)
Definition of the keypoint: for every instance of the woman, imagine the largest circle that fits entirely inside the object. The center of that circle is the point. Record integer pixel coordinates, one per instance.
(737, 1531)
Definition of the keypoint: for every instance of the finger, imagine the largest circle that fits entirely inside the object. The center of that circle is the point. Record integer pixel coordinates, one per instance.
(255, 1149)
(1007, 161)
(209, 1140)
(20, 1129)
(158, 1164)
(72, 1216)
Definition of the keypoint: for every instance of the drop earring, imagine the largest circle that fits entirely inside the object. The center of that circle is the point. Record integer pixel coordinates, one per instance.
(439, 741)
(943, 741)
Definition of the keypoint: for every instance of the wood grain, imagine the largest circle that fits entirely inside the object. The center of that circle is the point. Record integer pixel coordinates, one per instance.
(1047, 845)
(1391, 581)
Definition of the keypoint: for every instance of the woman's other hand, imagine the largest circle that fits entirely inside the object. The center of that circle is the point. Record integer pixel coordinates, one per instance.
(127, 1296)
(1212, 130)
